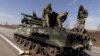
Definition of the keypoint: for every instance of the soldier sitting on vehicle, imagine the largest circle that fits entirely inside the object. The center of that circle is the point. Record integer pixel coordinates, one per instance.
(52, 18)
(82, 15)
(46, 15)
(24, 20)
(61, 18)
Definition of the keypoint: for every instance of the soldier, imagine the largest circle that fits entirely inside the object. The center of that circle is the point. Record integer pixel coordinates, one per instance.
(24, 20)
(82, 15)
(46, 15)
(61, 18)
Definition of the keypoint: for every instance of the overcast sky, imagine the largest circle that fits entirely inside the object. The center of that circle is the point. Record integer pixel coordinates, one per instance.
(10, 10)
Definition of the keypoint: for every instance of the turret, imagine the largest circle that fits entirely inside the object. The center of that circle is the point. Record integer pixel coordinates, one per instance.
(32, 20)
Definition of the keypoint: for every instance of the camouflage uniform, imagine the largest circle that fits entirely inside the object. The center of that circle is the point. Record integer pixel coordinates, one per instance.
(61, 18)
(46, 13)
(24, 20)
(82, 15)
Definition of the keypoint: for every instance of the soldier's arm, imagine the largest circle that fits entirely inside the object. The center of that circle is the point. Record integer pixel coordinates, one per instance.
(78, 16)
(64, 18)
(86, 12)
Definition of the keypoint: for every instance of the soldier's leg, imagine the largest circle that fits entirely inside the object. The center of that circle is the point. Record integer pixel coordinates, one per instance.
(78, 25)
(83, 25)
(44, 23)
(47, 20)
(81, 29)
(58, 22)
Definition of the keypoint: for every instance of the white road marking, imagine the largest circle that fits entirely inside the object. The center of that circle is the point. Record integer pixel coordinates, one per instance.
(96, 47)
(96, 50)
(20, 51)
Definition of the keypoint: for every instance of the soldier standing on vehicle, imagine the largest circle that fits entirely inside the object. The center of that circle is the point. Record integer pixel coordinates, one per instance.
(61, 18)
(82, 15)
(46, 15)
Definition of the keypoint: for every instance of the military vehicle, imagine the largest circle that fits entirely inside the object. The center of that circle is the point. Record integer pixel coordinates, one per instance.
(48, 41)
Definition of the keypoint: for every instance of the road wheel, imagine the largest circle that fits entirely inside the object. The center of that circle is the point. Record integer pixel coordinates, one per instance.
(44, 51)
(29, 45)
(24, 43)
(53, 51)
(18, 38)
(35, 48)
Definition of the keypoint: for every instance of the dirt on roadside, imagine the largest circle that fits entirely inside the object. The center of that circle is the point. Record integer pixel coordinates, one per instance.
(96, 35)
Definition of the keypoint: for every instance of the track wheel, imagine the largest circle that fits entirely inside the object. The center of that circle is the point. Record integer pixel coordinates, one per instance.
(44, 51)
(53, 51)
(29, 45)
(24, 43)
(18, 38)
(35, 48)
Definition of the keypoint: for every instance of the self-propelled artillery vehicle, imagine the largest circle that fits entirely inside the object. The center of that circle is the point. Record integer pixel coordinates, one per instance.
(48, 41)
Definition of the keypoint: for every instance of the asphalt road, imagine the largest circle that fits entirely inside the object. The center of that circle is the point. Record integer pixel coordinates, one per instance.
(8, 49)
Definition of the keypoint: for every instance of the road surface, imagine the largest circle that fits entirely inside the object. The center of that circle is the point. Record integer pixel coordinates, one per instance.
(8, 47)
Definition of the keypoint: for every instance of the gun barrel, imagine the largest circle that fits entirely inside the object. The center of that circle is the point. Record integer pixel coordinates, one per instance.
(34, 18)
(36, 21)
(26, 15)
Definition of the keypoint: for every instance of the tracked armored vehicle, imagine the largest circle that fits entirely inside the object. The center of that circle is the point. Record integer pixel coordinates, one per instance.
(48, 41)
